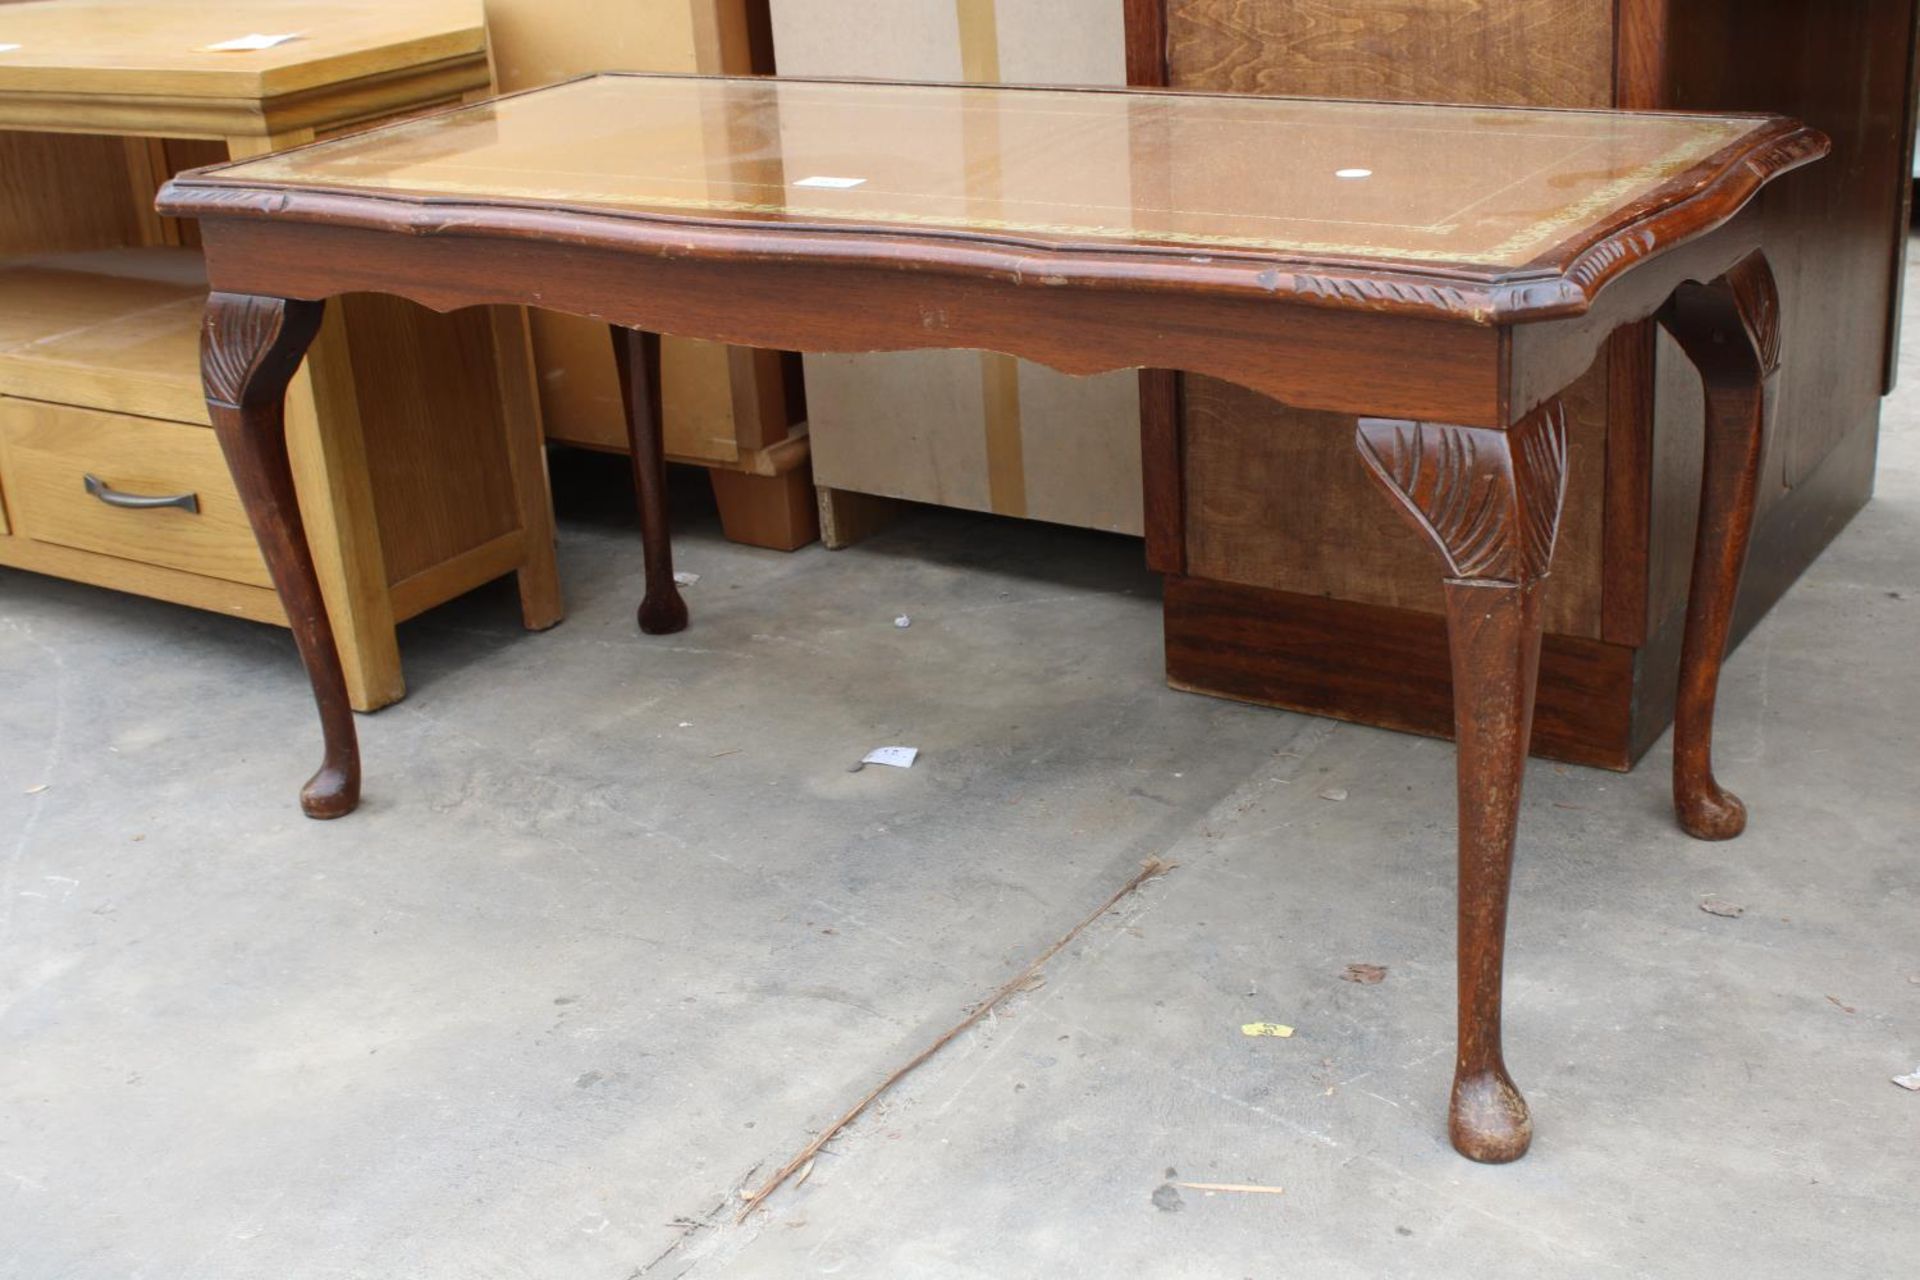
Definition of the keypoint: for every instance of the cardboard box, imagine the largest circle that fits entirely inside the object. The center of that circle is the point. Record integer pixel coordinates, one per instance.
(965, 429)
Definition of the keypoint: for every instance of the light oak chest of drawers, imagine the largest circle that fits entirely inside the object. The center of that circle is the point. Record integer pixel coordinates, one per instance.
(430, 478)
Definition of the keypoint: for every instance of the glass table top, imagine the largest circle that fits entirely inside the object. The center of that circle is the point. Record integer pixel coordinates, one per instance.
(1153, 170)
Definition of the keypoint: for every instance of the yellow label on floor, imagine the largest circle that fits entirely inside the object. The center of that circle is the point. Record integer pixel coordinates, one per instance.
(1266, 1029)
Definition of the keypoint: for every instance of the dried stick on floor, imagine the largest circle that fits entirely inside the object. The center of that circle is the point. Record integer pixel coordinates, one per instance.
(1149, 870)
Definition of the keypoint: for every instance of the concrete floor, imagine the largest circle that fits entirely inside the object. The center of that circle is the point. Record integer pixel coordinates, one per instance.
(617, 931)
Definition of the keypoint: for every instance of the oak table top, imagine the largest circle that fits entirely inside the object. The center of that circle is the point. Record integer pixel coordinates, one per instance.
(146, 66)
(1440, 273)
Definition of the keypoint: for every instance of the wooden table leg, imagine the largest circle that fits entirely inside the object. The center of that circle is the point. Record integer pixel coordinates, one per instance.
(637, 352)
(1490, 501)
(327, 445)
(1730, 329)
(249, 349)
(538, 576)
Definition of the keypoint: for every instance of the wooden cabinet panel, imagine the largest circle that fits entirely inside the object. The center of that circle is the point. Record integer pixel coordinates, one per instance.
(436, 448)
(1333, 535)
(67, 191)
(1827, 228)
(1506, 52)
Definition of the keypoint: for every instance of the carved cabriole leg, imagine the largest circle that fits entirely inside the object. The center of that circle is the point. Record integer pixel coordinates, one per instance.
(1730, 329)
(662, 611)
(249, 349)
(1490, 502)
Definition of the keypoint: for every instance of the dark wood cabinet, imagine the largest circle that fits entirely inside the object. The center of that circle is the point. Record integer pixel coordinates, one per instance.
(1314, 602)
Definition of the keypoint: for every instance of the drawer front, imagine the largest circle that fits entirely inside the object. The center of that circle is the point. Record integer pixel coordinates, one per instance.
(47, 453)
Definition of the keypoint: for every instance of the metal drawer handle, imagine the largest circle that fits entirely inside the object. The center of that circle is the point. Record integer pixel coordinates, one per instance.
(100, 489)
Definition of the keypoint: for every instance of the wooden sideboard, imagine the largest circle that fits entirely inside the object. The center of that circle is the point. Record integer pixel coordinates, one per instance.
(429, 479)
(1322, 606)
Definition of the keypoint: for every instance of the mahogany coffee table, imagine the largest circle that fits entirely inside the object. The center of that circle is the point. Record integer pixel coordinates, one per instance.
(1445, 270)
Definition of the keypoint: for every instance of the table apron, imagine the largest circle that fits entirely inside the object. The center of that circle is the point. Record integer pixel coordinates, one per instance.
(1548, 356)
(1310, 357)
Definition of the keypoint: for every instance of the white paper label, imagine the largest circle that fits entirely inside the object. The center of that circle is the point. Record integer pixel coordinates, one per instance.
(249, 43)
(8, 48)
(837, 184)
(898, 757)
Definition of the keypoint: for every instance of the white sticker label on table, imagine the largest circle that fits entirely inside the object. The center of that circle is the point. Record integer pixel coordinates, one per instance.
(837, 184)
(249, 43)
(8, 48)
(898, 757)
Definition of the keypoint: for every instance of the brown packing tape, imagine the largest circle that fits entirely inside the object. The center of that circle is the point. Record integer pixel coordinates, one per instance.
(999, 374)
(1006, 450)
(979, 41)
